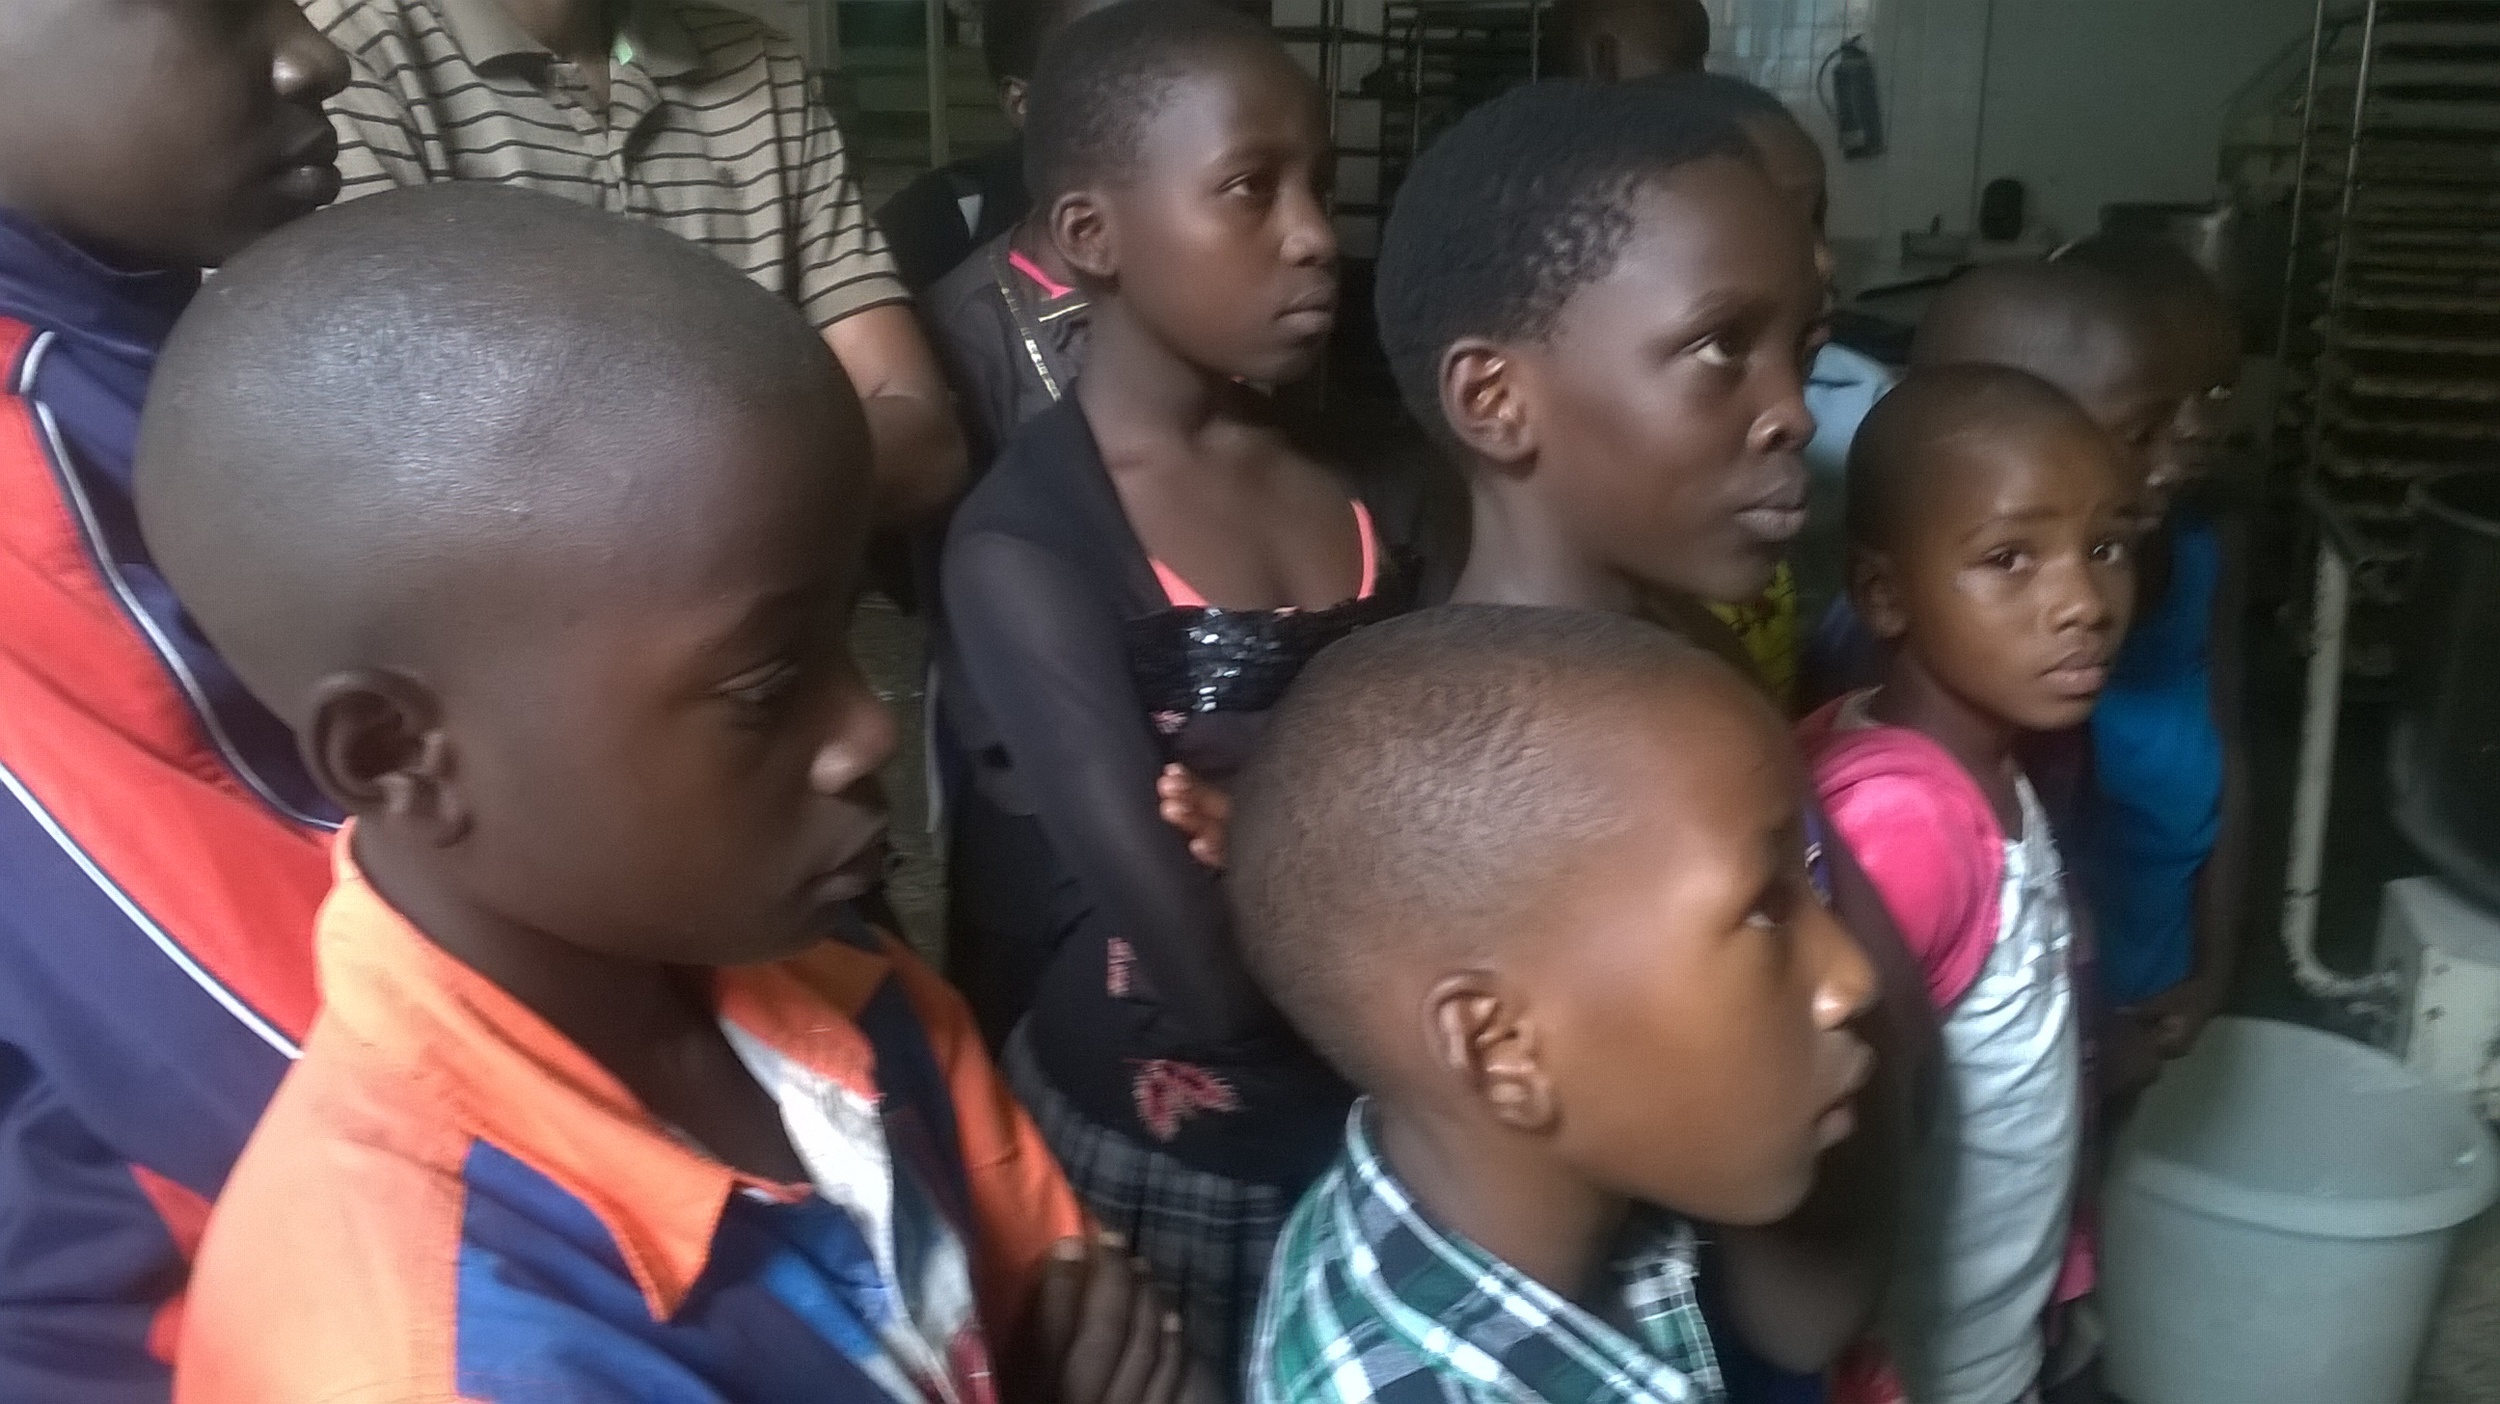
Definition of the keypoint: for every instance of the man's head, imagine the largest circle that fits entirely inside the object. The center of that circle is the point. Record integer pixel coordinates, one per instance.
(2073, 326)
(1990, 541)
(165, 133)
(1013, 33)
(1608, 41)
(1185, 163)
(541, 528)
(1537, 877)
(2201, 335)
(1597, 296)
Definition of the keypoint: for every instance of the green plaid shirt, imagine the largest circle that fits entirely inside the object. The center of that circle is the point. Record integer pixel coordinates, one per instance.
(1367, 1301)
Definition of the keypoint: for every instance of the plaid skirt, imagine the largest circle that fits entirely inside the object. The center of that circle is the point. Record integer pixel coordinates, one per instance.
(1207, 1238)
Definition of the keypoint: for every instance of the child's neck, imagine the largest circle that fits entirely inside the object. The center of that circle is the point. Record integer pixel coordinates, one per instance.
(1519, 555)
(1983, 744)
(1506, 1197)
(651, 1026)
(1144, 400)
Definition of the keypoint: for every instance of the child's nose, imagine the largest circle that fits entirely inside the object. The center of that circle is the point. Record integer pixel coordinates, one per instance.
(1310, 235)
(1846, 987)
(306, 67)
(1786, 425)
(2081, 602)
(860, 737)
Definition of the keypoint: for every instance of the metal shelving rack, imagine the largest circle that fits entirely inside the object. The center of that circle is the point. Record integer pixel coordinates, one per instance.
(1425, 65)
(1400, 72)
(2390, 322)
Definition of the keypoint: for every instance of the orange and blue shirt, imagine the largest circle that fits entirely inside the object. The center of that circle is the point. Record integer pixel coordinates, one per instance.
(162, 854)
(448, 1200)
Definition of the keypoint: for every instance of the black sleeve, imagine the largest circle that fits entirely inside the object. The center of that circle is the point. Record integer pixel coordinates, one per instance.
(976, 342)
(924, 230)
(1045, 656)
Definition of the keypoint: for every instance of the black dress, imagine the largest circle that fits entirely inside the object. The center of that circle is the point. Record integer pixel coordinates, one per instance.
(1068, 680)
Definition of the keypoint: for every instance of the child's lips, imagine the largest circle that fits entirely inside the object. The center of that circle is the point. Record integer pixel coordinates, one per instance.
(2079, 676)
(1840, 1119)
(1311, 316)
(857, 874)
(1773, 524)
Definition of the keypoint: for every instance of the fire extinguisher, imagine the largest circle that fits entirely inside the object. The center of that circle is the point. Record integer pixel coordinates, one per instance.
(1849, 93)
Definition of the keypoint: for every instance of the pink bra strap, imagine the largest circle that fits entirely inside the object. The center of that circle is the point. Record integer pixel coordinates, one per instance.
(1179, 594)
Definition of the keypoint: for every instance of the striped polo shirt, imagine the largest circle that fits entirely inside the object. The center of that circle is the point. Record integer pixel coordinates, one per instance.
(710, 132)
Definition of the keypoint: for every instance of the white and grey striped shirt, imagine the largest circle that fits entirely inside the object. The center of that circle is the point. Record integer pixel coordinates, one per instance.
(710, 132)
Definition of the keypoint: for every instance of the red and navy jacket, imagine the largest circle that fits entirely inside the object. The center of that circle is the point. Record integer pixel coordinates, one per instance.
(162, 855)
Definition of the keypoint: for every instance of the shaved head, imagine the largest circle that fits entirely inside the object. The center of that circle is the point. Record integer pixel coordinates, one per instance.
(1938, 422)
(457, 408)
(2078, 328)
(1425, 784)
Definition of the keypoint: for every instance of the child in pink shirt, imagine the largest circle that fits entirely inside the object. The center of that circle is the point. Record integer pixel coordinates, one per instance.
(1989, 553)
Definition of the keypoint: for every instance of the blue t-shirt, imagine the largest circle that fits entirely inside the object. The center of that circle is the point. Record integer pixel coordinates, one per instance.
(2157, 766)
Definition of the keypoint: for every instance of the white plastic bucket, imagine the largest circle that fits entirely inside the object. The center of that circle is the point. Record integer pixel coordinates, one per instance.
(2279, 1220)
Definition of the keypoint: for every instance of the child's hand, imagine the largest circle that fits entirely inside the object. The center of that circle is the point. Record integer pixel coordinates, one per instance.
(1107, 1337)
(1200, 810)
(2179, 1014)
(2132, 1057)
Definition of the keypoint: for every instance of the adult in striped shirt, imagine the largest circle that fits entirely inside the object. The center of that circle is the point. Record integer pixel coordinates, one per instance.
(694, 117)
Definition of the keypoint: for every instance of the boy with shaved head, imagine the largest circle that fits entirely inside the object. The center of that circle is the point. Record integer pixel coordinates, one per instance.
(611, 1096)
(161, 851)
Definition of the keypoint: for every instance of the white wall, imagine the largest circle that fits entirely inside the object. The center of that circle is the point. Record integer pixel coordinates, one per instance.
(2084, 101)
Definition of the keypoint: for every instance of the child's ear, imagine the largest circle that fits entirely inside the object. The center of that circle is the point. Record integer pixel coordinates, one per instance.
(1481, 1035)
(375, 742)
(1874, 588)
(1484, 399)
(1080, 228)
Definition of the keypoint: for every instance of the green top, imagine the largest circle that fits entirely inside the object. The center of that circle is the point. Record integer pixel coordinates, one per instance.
(1367, 1300)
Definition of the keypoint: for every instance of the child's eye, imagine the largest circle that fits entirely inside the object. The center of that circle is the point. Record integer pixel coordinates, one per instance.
(1718, 354)
(2006, 558)
(1773, 906)
(763, 693)
(2113, 551)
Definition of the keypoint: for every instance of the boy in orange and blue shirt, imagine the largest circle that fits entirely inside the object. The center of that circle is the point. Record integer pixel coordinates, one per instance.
(611, 1097)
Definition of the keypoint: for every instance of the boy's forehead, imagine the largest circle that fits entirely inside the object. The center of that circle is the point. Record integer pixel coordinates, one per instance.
(1225, 96)
(1714, 227)
(1975, 472)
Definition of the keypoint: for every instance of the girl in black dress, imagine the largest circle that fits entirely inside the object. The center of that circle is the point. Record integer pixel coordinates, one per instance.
(1132, 586)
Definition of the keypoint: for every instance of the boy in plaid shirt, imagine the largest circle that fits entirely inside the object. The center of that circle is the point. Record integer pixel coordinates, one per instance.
(1533, 879)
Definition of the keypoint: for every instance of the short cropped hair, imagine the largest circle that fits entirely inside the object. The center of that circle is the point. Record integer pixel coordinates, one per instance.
(1422, 783)
(1100, 80)
(1893, 460)
(1520, 205)
(2154, 267)
(361, 404)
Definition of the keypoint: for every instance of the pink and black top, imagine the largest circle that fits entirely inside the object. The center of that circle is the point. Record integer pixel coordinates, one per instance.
(1075, 669)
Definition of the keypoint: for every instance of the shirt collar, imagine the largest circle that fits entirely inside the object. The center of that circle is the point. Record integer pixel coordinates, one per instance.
(500, 1074)
(1468, 1307)
(119, 318)
(651, 32)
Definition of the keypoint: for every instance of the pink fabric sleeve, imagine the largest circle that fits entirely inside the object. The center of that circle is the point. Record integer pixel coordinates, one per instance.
(1920, 859)
(1925, 836)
